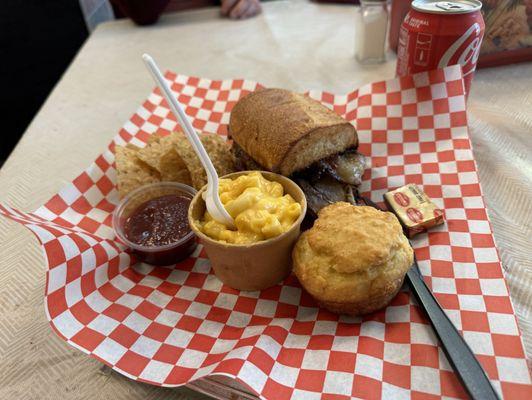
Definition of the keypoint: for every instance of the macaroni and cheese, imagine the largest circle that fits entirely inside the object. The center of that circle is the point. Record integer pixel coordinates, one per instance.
(258, 207)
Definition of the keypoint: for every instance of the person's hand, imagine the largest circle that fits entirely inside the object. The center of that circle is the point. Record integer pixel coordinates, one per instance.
(240, 9)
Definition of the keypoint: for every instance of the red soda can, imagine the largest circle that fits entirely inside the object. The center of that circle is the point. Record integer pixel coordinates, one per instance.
(435, 34)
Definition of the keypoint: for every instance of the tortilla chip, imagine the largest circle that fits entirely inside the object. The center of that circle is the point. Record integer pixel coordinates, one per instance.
(160, 154)
(153, 138)
(132, 147)
(131, 171)
(155, 149)
(218, 151)
(181, 176)
(173, 168)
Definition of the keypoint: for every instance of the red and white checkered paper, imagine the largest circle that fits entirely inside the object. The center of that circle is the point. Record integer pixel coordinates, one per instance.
(169, 326)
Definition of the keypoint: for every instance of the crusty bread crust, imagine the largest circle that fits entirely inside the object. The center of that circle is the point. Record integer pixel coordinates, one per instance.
(286, 132)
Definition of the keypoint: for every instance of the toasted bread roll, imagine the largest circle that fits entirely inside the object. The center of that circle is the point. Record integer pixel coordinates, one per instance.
(286, 132)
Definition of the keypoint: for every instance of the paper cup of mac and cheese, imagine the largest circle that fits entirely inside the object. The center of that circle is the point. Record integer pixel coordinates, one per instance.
(254, 265)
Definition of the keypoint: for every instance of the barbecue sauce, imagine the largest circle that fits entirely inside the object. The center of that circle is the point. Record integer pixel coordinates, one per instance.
(161, 222)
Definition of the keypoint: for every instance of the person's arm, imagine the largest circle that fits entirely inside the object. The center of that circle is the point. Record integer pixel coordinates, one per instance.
(144, 12)
(240, 9)
(140, 11)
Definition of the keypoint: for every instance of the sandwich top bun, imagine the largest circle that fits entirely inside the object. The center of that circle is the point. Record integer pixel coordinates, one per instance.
(286, 132)
(354, 259)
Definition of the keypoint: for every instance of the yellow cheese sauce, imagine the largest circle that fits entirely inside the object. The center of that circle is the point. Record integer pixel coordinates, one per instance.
(258, 206)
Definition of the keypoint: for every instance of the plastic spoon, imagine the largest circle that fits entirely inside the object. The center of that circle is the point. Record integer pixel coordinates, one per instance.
(212, 199)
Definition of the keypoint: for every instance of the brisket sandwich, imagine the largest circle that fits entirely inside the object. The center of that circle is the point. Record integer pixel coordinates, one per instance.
(293, 135)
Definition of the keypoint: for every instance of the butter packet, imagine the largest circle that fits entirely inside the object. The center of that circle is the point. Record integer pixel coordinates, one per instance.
(414, 209)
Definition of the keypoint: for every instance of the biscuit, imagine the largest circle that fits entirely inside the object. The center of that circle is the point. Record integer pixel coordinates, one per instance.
(354, 259)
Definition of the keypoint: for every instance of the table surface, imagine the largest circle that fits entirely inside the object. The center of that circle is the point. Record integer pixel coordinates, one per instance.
(294, 44)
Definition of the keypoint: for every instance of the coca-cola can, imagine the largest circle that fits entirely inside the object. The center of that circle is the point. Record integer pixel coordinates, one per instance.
(435, 34)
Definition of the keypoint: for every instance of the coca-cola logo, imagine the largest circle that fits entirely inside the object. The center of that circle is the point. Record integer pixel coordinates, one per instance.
(469, 55)
(401, 199)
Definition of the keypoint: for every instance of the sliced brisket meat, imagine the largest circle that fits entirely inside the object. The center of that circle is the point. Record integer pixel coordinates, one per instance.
(347, 167)
(325, 182)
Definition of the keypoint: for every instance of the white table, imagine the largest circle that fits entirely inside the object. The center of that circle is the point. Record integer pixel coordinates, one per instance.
(293, 44)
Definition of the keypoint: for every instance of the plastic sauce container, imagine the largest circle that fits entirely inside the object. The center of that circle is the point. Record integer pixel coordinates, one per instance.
(152, 222)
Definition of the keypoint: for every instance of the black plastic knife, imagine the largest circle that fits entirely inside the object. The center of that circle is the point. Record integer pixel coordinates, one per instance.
(458, 352)
(455, 347)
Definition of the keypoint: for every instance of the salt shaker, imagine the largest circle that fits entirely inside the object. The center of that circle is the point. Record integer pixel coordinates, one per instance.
(371, 25)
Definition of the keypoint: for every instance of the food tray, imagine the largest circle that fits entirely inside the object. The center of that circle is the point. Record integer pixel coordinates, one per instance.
(171, 326)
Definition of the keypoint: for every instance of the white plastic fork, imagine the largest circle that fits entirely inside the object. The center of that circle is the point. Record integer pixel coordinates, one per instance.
(211, 196)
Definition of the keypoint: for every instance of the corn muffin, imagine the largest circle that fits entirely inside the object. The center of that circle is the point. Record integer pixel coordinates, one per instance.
(354, 259)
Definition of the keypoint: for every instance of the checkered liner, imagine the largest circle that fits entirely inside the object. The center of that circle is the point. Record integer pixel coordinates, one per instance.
(169, 326)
